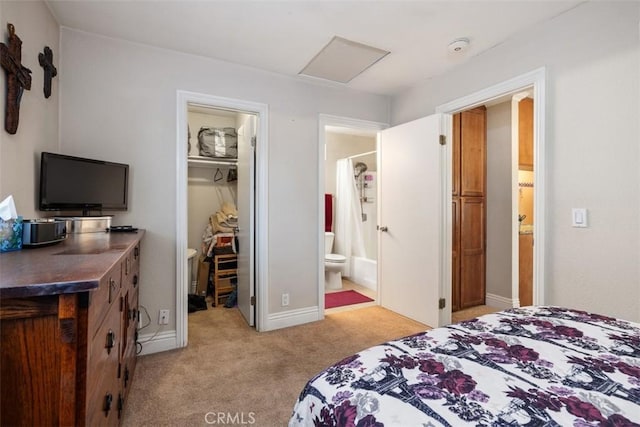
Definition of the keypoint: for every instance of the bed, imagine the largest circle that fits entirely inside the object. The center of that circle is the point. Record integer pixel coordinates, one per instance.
(535, 366)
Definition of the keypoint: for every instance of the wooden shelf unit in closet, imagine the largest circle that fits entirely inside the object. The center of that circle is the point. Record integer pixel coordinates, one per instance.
(225, 268)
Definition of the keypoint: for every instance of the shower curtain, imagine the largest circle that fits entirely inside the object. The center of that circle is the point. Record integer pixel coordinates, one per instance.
(348, 227)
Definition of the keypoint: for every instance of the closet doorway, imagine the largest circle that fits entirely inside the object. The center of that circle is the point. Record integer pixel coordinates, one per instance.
(221, 209)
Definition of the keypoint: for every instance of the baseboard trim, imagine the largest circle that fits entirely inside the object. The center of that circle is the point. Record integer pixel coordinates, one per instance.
(156, 343)
(289, 318)
(500, 302)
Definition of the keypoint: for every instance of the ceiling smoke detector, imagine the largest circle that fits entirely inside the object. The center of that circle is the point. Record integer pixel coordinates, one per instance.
(458, 45)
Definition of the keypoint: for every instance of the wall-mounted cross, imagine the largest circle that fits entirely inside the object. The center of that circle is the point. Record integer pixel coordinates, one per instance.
(46, 62)
(18, 78)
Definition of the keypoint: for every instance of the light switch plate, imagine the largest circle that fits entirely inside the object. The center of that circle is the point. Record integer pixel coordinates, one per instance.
(579, 217)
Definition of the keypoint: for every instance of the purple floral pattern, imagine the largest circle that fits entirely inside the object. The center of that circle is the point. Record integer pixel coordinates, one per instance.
(527, 366)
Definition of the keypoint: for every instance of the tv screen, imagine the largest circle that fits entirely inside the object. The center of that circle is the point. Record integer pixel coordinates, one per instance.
(74, 183)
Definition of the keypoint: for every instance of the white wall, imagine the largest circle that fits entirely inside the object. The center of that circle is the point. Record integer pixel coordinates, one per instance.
(119, 102)
(499, 200)
(592, 56)
(38, 125)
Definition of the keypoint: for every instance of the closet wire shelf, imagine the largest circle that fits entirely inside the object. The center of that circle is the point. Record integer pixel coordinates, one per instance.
(206, 162)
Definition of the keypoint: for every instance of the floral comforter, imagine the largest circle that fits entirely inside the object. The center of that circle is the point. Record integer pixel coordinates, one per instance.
(534, 366)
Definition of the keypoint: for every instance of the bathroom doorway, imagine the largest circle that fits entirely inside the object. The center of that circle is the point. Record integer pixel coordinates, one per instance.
(348, 183)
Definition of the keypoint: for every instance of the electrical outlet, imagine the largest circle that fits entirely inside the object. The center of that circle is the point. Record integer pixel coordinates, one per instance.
(285, 300)
(163, 317)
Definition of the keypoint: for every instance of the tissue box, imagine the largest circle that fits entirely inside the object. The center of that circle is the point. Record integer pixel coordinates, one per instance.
(11, 234)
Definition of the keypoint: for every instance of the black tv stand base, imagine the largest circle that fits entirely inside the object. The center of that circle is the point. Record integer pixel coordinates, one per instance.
(122, 229)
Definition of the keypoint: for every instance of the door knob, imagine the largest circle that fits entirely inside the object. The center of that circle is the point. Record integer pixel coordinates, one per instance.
(385, 229)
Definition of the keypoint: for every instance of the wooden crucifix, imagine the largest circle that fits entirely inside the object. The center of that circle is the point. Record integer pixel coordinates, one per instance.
(18, 78)
(46, 61)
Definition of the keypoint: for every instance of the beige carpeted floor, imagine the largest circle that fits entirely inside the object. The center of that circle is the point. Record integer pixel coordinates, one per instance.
(231, 371)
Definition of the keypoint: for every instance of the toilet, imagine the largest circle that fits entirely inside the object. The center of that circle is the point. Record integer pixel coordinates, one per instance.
(333, 264)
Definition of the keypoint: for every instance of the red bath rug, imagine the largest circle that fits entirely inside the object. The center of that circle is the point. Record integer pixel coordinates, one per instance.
(338, 299)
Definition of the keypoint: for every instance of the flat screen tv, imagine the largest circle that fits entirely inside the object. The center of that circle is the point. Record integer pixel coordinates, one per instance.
(70, 183)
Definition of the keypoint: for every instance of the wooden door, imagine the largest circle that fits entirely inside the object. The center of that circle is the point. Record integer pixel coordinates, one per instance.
(468, 217)
(472, 251)
(525, 269)
(455, 155)
(525, 134)
(473, 152)
(455, 255)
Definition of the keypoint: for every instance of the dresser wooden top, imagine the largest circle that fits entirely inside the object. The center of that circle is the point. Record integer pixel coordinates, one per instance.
(76, 264)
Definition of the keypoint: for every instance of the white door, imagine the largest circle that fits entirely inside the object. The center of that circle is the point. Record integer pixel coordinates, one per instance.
(246, 219)
(412, 220)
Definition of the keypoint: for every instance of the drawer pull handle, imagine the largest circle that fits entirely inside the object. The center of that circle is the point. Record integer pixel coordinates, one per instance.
(108, 400)
(136, 252)
(111, 341)
(120, 404)
(135, 280)
(113, 288)
(126, 376)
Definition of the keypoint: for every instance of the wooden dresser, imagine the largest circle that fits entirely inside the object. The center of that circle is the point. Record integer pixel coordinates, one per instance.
(68, 321)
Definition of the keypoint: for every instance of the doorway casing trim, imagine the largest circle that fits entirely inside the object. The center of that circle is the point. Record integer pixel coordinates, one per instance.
(184, 98)
(535, 79)
(325, 120)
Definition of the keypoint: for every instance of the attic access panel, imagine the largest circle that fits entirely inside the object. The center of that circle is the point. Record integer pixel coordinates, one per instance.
(341, 60)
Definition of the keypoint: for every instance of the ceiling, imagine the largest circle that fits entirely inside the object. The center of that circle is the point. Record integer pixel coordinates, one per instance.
(283, 36)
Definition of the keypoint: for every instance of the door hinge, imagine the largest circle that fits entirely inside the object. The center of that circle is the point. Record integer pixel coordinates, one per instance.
(253, 300)
(253, 141)
(441, 303)
(443, 140)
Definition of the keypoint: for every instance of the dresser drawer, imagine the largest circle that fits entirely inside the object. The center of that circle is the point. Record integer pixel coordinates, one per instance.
(130, 317)
(101, 300)
(106, 404)
(103, 361)
(128, 369)
(132, 268)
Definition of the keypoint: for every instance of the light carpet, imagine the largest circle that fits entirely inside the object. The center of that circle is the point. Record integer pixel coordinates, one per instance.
(231, 371)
